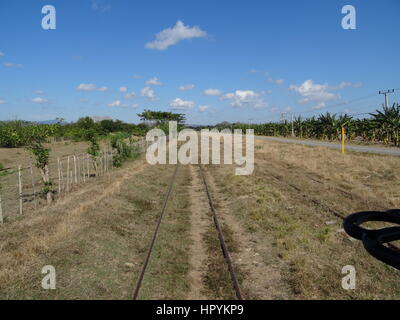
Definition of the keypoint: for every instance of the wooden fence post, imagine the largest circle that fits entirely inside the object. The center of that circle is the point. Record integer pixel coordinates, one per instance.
(68, 175)
(102, 163)
(47, 179)
(88, 166)
(62, 176)
(1, 212)
(59, 176)
(79, 171)
(33, 186)
(83, 168)
(20, 189)
(76, 177)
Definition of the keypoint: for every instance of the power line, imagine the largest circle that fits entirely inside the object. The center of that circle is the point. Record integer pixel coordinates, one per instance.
(345, 103)
(386, 94)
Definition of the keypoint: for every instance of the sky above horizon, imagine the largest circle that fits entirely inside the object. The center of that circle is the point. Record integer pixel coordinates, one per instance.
(212, 60)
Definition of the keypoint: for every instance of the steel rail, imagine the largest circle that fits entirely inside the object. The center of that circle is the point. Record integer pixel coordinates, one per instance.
(153, 240)
(224, 248)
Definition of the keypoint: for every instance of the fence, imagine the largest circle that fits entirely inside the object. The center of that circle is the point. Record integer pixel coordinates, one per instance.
(21, 186)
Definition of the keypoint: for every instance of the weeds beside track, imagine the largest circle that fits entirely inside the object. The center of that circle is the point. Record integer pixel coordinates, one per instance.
(223, 245)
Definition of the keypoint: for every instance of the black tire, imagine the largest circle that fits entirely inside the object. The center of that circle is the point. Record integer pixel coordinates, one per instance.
(374, 240)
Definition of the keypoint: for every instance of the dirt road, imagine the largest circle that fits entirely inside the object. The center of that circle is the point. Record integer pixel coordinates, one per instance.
(338, 146)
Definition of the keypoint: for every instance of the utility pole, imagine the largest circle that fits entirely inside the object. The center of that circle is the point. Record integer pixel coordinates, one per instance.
(343, 138)
(386, 93)
(283, 116)
(249, 120)
(292, 124)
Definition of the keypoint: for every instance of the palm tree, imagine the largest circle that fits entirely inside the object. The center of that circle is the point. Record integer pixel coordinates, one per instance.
(387, 122)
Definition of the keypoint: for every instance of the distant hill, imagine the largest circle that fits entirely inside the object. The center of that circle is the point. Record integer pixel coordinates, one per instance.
(47, 122)
(100, 118)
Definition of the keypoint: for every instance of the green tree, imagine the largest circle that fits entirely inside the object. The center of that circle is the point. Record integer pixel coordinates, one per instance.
(91, 136)
(38, 135)
(161, 117)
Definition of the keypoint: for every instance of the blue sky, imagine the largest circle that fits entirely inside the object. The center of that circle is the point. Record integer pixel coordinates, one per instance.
(260, 58)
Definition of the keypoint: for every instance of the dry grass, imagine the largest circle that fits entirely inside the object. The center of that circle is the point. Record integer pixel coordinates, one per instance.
(98, 245)
(217, 280)
(367, 175)
(167, 273)
(307, 238)
(12, 157)
(252, 257)
(283, 244)
(59, 235)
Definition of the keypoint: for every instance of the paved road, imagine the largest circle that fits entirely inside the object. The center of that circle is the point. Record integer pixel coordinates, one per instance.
(387, 151)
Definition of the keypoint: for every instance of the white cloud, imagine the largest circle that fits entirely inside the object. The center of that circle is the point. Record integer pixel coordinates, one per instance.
(137, 76)
(203, 108)
(38, 92)
(123, 89)
(91, 87)
(2, 54)
(86, 87)
(181, 104)
(100, 118)
(130, 95)
(154, 82)
(186, 87)
(117, 104)
(245, 98)
(264, 92)
(12, 65)
(212, 92)
(100, 6)
(172, 36)
(319, 106)
(276, 81)
(39, 100)
(148, 93)
(311, 92)
(345, 84)
(2, 101)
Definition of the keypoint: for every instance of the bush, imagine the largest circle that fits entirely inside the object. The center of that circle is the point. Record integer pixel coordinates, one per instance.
(14, 134)
(124, 151)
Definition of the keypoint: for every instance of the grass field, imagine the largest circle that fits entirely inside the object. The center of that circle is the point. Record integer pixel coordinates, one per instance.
(284, 241)
(308, 244)
(12, 158)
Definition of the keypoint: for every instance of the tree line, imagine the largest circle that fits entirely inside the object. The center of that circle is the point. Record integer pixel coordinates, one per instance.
(18, 133)
(34, 138)
(381, 126)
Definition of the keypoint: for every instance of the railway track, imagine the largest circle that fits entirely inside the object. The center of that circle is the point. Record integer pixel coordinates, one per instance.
(224, 248)
(155, 234)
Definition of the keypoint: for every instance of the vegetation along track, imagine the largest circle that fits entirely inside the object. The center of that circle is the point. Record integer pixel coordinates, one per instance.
(224, 248)
(335, 212)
